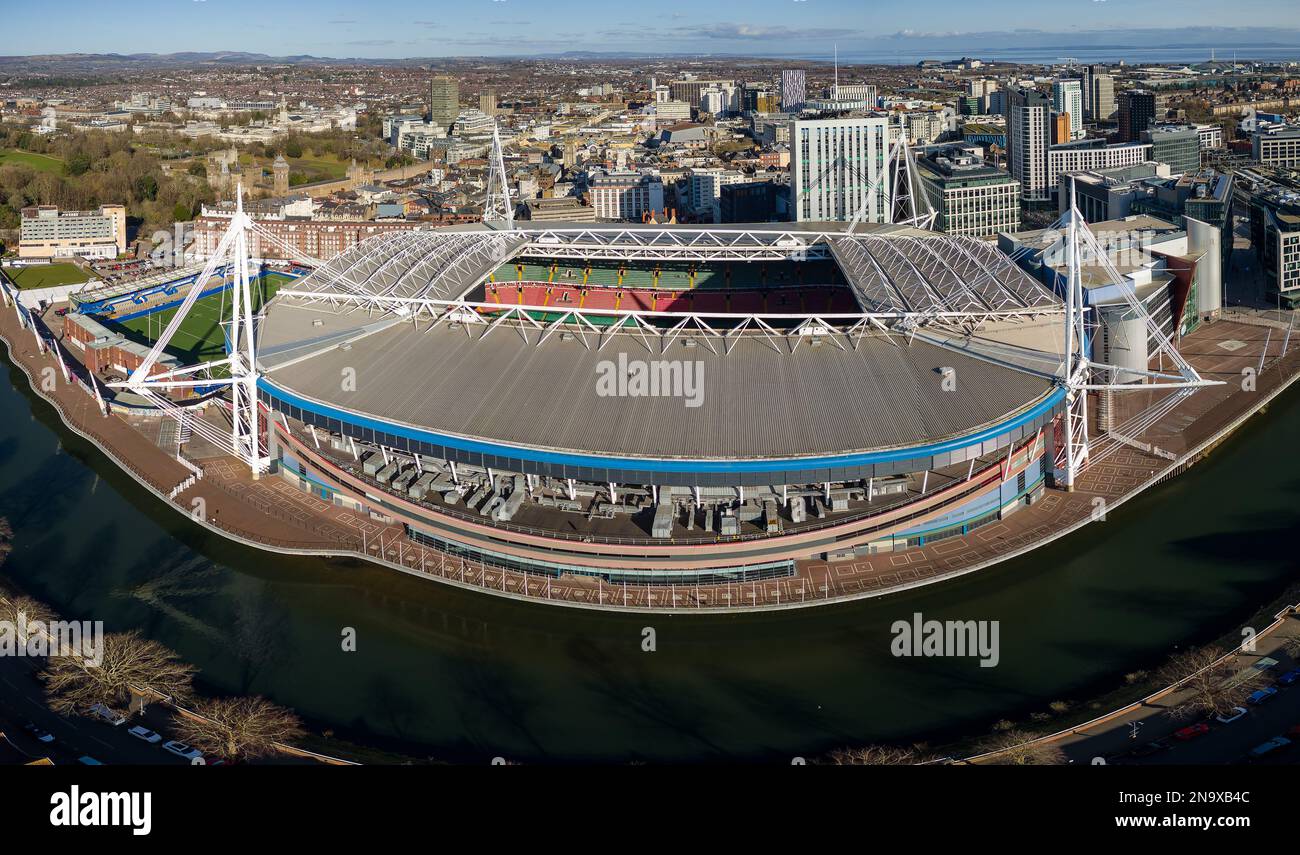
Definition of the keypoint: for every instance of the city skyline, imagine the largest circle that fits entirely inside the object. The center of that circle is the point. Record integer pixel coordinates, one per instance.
(795, 28)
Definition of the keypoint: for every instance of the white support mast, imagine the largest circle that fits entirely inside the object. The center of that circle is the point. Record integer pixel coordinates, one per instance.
(498, 209)
(240, 364)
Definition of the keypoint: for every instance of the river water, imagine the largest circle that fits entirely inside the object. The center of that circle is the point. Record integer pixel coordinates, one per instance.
(466, 677)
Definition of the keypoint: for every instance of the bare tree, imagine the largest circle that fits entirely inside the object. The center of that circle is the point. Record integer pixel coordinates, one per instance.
(6, 539)
(1291, 646)
(11, 608)
(878, 755)
(128, 660)
(1016, 747)
(239, 728)
(1211, 687)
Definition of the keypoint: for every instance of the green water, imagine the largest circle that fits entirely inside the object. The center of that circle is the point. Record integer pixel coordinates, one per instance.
(464, 676)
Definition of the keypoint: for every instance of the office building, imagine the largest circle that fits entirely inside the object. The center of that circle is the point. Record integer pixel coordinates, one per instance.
(487, 101)
(970, 198)
(444, 101)
(1276, 146)
(834, 164)
(47, 232)
(1275, 234)
(752, 202)
(626, 195)
(1179, 146)
(1137, 112)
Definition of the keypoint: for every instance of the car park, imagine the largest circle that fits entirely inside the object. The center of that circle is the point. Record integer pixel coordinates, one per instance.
(141, 732)
(1231, 715)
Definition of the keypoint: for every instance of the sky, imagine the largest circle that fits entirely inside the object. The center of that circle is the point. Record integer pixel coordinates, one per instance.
(432, 28)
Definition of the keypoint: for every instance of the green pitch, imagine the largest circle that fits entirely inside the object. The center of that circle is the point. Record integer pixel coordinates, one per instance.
(46, 275)
(201, 337)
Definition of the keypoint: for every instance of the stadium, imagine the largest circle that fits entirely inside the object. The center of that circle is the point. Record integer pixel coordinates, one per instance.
(667, 404)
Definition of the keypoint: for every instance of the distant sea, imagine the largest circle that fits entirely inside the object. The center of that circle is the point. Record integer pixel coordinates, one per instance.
(1180, 55)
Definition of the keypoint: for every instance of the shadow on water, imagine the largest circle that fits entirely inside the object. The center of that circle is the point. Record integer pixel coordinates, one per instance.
(465, 676)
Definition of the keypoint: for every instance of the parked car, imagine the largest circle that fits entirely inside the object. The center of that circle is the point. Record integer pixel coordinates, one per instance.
(1290, 678)
(38, 734)
(114, 718)
(1153, 747)
(140, 732)
(180, 749)
(1262, 695)
(87, 760)
(1231, 715)
(1192, 731)
(1269, 747)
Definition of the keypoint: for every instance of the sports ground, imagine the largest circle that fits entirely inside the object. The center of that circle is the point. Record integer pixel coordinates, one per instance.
(200, 337)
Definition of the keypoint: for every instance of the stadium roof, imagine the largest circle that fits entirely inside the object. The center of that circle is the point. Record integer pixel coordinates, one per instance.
(758, 401)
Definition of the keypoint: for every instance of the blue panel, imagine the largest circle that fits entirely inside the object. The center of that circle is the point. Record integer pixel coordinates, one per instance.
(601, 462)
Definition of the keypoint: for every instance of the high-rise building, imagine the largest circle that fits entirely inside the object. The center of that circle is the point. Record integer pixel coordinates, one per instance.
(794, 89)
(1137, 110)
(1100, 102)
(487, 101)
(1067, 97)
(444, 101)
(835, 162)
(1029, 136)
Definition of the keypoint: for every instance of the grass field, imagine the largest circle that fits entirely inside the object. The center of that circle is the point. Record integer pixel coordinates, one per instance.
(46, 275)
(40, 162)
(200, 337)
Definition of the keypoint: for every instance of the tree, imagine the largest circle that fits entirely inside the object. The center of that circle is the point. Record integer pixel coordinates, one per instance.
(181, 212)
(146, 187)
(878, 755)
(198, 168)
(78, 164)
(1016, 747)
(128, 660)
(1211, 687)
(292, 148)
(239, 728)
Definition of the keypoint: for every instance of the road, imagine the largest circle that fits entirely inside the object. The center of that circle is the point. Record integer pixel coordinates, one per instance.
(1114, 741)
